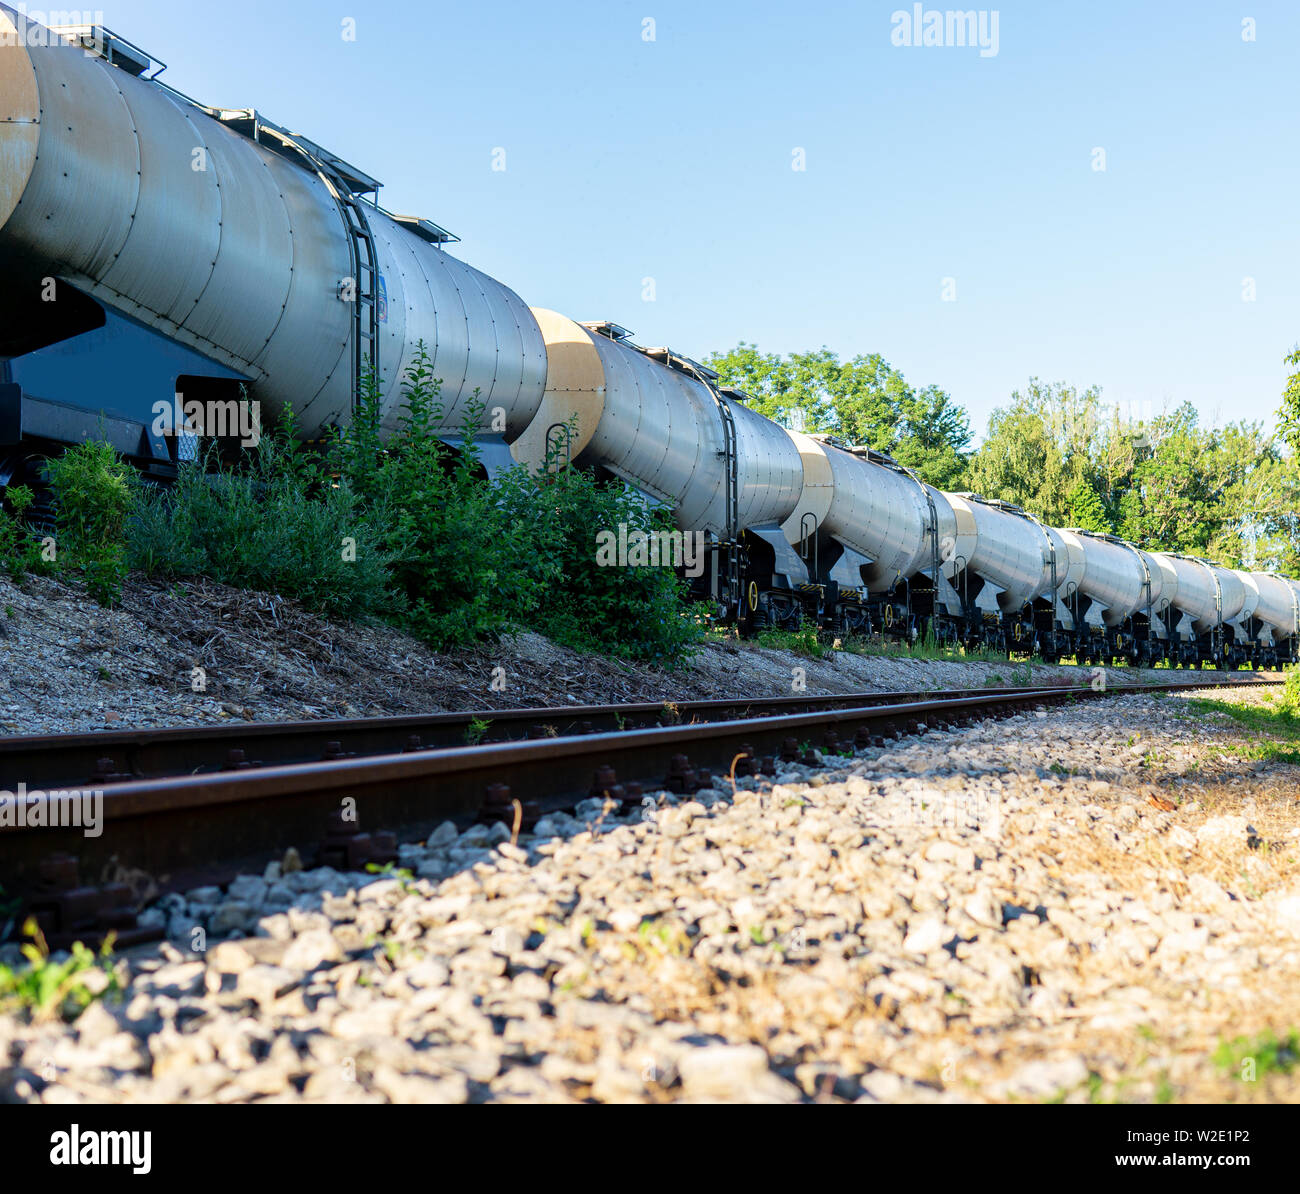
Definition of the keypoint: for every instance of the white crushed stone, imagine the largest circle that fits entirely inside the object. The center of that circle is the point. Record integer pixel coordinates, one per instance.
(997, 912)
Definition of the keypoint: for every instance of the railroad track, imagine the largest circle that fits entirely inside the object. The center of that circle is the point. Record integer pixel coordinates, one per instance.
(206, 822)
(97, 757)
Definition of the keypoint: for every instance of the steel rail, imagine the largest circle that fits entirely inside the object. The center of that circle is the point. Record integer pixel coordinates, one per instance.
(96, 757)
(181, 826)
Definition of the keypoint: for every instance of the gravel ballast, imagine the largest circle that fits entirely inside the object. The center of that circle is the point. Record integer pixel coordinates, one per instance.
(1091, 903)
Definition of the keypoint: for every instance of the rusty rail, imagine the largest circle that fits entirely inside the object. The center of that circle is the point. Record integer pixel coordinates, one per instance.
(177, 829)
(97, 757)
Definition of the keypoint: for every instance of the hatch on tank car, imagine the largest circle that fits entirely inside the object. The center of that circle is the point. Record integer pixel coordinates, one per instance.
(111, 47)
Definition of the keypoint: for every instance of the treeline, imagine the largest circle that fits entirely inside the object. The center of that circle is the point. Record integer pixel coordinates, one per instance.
(1163, 481)
(1228, 494)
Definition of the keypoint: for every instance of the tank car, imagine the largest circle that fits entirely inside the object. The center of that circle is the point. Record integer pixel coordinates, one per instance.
(658, 421)
(1274, 624)
(152, 245)
(871, 533)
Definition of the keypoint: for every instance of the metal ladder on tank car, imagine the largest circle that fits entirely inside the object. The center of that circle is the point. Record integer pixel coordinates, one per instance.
(365, 297)
(729, 546)
(363, 293)
(362, 289)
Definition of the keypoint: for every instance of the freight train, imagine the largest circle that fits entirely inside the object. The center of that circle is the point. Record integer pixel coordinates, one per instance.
(152, 246)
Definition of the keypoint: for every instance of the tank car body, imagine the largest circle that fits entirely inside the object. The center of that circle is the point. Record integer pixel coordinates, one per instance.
(1006, 551)
(182, 247)
(1115, 581)
(872, 533)
(1264, 631)
(655, 419)
(1277, 611)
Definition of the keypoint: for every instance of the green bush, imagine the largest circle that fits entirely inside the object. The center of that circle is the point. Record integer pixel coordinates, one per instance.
(20, 549)
(93, 496)
(1288, 701)
(474, 558)
(631, 613)
(273, 524)
(411, 529)
(453, 558)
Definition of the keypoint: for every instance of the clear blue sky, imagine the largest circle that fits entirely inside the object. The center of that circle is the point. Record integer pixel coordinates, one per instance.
(671, 159)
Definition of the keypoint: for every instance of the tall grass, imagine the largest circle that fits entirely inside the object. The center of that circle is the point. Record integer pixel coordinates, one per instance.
(93, 496)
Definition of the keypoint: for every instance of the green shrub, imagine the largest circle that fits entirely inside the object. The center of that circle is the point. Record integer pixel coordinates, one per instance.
(458, 563)
(20, 549)
(271, 524)
(92, 488)
(474, 558)
(436, 547)
(93, 495)
(1289, 699)
(631, 613)
(804, 641)
(46, 988)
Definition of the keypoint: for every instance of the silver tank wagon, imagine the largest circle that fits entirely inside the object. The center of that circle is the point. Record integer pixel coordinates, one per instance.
(649, 417)
(1208, 595)
(227, 234)
(1119, 579)
(873, 508)
(1278, 606)
(1003, 546)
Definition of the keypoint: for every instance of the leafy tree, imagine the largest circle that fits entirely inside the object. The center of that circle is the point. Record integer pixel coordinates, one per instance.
(932, 438)
(1178, 484)
(865, 401)
(1289, 416)
(1036, 454)
(1086, 508)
